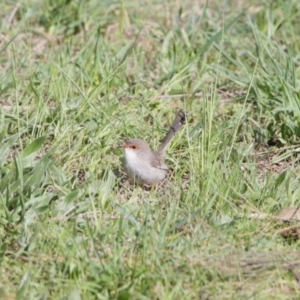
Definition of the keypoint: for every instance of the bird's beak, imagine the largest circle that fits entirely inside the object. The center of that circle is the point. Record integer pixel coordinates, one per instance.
(123, 145)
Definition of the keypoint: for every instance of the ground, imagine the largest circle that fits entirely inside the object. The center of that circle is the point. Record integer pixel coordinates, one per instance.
(78, 78)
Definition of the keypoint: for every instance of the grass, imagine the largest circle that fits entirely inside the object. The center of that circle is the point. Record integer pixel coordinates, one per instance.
(77, 78)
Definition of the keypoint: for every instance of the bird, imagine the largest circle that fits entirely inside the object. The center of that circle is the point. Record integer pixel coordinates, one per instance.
(145, 166)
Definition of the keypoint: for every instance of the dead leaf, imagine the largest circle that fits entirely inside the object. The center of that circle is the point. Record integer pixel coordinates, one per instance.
(289, 214)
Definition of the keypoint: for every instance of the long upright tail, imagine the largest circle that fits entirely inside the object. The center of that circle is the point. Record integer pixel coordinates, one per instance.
(177, 123)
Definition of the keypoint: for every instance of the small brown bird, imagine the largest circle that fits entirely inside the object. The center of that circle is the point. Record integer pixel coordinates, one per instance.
(145, 166)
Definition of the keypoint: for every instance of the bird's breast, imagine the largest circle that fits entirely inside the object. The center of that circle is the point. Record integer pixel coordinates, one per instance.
(139, 168)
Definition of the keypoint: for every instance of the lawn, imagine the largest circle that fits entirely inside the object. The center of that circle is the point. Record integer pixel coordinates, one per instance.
(78, 78)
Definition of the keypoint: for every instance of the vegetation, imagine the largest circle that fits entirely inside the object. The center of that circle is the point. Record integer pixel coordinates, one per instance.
(79, 77)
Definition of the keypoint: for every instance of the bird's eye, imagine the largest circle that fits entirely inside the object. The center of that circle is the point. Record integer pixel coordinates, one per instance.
(133, 147)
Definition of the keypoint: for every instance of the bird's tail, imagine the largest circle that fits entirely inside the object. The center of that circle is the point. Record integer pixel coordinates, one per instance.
(177, 123)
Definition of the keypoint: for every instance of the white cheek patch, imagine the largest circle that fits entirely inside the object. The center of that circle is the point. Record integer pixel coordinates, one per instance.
(132, 163)
(131, 158)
